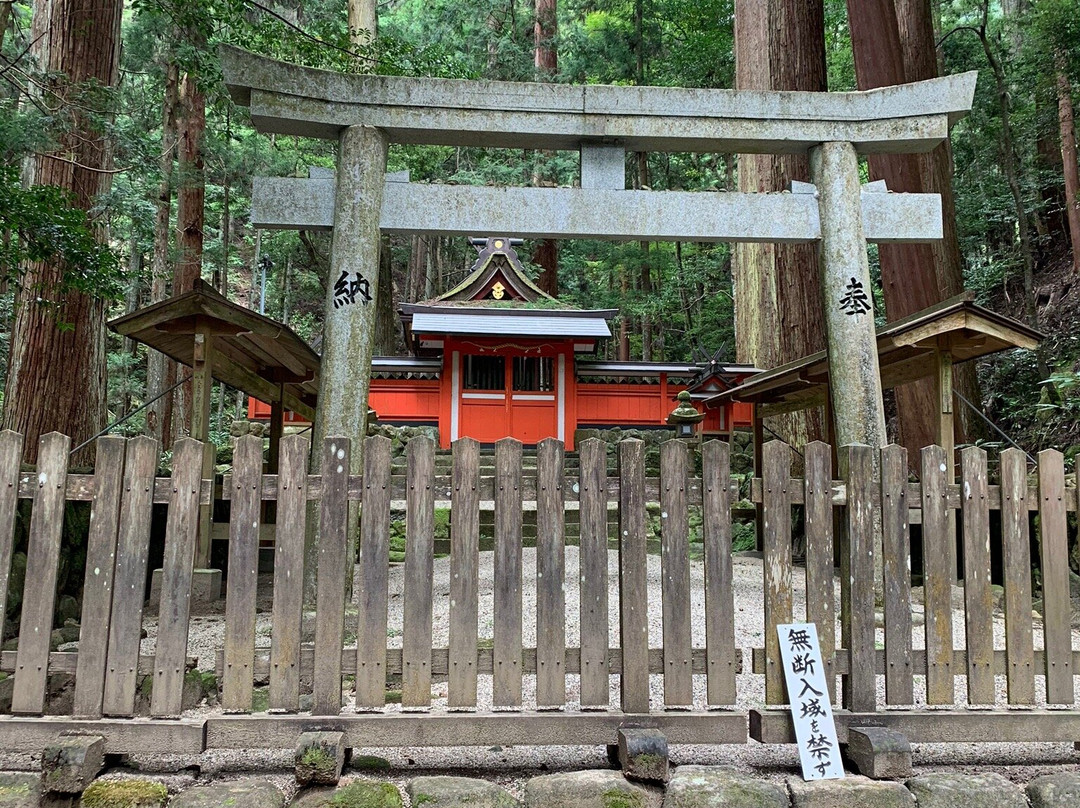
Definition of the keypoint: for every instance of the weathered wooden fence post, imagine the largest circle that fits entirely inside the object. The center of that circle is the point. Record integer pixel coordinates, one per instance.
(776, 516)
(633, 578)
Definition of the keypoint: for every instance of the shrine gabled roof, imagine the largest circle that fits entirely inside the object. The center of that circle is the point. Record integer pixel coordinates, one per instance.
(497, 274)
(484, 321)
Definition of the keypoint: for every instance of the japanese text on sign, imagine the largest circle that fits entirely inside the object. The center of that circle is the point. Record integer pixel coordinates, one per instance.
(808, 693)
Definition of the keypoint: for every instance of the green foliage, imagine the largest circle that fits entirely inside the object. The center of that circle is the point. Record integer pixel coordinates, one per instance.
(46, 226)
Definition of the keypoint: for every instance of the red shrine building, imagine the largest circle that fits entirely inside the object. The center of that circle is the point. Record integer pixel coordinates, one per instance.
(495, 356)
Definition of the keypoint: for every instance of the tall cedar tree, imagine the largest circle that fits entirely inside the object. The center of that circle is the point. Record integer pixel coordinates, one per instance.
(913, 276)
(1067, 128)
(546, 60)
(160, 370)
(779, 45)
(57, 372)
(363, 30)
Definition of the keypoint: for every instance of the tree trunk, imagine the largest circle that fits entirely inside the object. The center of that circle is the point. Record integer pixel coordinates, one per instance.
(911, 276)
(386, 321)
(191, 193)
(363, 30)
(5, 18)
(1067, 127)
(779, 45)
(160, 370)
(918, 25)
(131, 303)
(546, 62)
(363, 22)
(57, 372)
(221, 275)
(190, 213)
(1010, 164)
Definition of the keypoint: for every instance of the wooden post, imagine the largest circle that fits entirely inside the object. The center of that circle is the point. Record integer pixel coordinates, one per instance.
(946, 436)
(277, 429)
(759, 442)
(350, 313)
(202, 387)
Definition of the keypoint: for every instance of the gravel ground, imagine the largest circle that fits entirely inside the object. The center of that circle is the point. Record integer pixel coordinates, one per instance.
(511, 766)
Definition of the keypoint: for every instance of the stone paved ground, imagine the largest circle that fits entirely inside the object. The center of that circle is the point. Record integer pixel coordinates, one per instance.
(689, 787)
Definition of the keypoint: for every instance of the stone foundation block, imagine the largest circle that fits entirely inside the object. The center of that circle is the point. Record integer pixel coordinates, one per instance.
(357, 794)
(320, 757)
(248, 793)
(643, 755)
(458, 792)
(587, 789)
(71, 764)
(205, 586)
(953, 790)
(879, 753)
(128, 792)
(1061, 790)
(19, 790)
(719, 787)
(851, 791)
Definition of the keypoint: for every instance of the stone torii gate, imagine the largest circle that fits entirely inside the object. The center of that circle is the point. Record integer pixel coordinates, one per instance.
(366, 113)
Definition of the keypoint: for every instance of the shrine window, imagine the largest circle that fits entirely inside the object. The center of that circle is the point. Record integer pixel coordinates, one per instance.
(485, 373)
(534, 373)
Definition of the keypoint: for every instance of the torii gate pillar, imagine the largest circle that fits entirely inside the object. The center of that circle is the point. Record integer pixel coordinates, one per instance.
(350, 311)
(854, 373)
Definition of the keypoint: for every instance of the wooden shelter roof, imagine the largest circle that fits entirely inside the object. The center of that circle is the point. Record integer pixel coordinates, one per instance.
(251, 352)
(906, 353)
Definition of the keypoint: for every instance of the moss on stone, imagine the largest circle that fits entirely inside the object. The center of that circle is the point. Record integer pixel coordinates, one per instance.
(420, 799)
(322, 763)
(13, 791)
(617, 798)
(372, 763)
(124, 794)
(366, 795)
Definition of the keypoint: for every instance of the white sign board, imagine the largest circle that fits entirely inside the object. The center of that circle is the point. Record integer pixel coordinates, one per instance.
(808, 694)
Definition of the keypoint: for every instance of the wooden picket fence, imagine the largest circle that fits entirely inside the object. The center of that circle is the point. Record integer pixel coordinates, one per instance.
(529, 701)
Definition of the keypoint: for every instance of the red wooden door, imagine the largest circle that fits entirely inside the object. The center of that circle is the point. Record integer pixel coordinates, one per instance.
(510, 395)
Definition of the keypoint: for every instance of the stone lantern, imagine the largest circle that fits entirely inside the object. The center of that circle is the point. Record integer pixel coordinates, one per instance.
(685, 418)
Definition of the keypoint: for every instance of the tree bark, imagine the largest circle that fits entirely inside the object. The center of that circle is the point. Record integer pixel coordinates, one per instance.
(910, 276)
(918, 25)
(57, 372)
(363, 22)
(160, 370)
(5, 18)
(546, 62)
(363, 30)
(1067, 127)
(191, 193)
(779, 45)
(190, 213)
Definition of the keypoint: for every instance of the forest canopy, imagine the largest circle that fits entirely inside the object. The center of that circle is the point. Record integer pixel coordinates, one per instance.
(172, 160)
